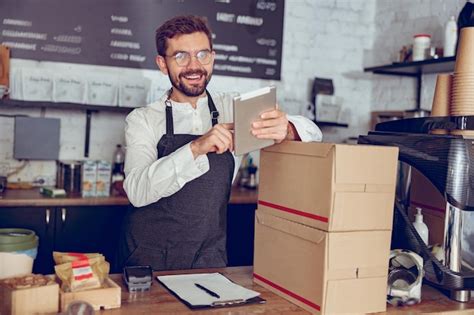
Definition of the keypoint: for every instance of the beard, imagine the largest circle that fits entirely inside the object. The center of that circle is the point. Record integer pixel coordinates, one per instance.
(191, 90)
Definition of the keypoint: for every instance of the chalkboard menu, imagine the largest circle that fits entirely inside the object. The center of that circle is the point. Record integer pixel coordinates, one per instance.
(247, 33)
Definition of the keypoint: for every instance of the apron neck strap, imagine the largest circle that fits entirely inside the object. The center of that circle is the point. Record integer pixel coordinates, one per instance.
(169, 115)
(212, 108)
(169, 112)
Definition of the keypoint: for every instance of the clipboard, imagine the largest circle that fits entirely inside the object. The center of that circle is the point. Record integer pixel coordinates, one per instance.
(247, 109)
(215, 304)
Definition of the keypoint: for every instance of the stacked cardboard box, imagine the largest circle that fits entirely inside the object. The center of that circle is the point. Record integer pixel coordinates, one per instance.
(323, 225)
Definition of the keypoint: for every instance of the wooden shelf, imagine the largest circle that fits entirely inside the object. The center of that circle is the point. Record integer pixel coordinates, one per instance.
(33, 104)
(415, 68)
(330, 124)
(89, 109)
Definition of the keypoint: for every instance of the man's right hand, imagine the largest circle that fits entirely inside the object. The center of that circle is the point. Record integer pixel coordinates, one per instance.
(219, 139)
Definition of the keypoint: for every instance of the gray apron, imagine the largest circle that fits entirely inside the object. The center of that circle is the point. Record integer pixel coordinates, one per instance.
(187, 229)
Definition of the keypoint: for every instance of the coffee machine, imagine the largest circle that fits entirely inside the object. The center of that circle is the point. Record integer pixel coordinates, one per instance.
(447, 161)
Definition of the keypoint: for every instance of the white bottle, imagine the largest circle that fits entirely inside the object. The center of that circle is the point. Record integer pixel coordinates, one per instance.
(450, 38)
(420, 226)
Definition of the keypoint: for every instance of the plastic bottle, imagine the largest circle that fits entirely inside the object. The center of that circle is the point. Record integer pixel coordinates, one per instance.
(420, 226)
(450, 38)
(252, 172)
(118, 164)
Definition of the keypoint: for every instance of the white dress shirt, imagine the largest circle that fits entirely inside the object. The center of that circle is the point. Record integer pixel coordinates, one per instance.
(147, 178)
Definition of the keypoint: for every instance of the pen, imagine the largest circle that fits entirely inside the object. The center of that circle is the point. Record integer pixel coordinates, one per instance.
(211, 293)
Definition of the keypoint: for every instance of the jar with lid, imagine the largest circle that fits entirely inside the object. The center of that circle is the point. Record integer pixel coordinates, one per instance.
(421, 46)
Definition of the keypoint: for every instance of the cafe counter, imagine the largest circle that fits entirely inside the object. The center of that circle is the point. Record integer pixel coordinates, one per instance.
(32, 198)
(90, 225)
(159, 301)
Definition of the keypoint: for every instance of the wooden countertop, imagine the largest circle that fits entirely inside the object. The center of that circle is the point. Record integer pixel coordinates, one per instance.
(159, 301)
(32, 198)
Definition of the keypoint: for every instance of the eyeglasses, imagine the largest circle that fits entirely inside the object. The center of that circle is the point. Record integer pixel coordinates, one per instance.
(183, 58)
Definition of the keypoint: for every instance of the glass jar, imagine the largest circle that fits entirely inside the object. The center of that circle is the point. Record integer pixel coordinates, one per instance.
(421, 46)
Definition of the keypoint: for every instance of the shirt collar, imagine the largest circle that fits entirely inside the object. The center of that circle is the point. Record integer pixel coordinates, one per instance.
(160, 104)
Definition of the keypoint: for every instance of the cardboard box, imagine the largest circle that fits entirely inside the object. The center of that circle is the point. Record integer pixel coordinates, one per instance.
(107, 297)
(89, 178)
(44, 299)
(104, 174)
(323, 272)
(333, 187)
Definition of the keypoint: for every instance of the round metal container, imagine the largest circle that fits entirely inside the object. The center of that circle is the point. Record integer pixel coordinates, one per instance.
(68, 176)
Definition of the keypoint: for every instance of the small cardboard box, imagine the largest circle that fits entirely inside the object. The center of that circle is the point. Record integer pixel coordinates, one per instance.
(104, 174)
(333, 187)
(89, 178)
(43, 299)
(323, 272)
(107, 297)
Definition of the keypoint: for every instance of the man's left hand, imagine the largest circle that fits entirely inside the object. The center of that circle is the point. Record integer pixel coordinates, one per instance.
(272, 124)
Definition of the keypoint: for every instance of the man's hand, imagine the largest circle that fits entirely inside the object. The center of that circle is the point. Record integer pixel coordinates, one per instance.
(274, 125)
(219, 139)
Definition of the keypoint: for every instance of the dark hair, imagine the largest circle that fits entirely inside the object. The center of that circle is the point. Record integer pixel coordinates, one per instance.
(180, 25)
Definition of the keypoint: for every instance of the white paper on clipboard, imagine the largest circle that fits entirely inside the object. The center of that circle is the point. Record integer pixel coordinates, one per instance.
(247, 109)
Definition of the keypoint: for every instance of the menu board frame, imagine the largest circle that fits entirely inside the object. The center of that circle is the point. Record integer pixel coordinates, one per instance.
(247, 34)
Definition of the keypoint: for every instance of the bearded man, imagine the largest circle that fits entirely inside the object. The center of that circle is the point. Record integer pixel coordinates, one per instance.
(179, 164)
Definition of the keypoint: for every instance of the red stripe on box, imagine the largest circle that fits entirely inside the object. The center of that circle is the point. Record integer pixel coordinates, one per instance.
(83, 277)
(80, 263)
(288, 292)
(294, 211)
(78, 255)
(422, 205)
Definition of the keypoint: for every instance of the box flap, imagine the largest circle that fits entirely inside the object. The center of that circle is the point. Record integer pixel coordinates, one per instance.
(353, 161)
(290, 182)
(297, 229)
(356, 296)
(302, 148)
(379, 188)
(358, 211)
(349, 187)
(356, 273)
(363, 250)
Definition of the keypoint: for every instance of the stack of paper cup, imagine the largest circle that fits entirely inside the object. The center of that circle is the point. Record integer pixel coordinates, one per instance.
(441, 99)
(462, 94)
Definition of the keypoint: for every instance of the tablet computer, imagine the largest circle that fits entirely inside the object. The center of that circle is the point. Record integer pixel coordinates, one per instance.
(247, 109)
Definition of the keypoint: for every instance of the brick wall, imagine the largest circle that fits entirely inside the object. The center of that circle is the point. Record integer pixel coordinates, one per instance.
(396, 22)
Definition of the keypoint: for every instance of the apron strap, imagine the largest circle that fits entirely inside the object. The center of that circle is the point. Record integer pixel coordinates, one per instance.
(169, 113)
(212, 108)
(169, 116)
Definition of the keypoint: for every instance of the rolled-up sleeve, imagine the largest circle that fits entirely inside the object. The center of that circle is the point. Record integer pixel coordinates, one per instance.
(307, 130)
(147, 178)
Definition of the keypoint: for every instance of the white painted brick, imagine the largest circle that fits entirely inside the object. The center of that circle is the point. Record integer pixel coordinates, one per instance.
(410, 17)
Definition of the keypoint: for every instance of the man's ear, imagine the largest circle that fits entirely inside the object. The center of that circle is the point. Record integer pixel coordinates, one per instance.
(160, 61)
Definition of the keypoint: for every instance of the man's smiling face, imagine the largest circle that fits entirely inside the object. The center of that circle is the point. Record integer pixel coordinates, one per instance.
(192, 77)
